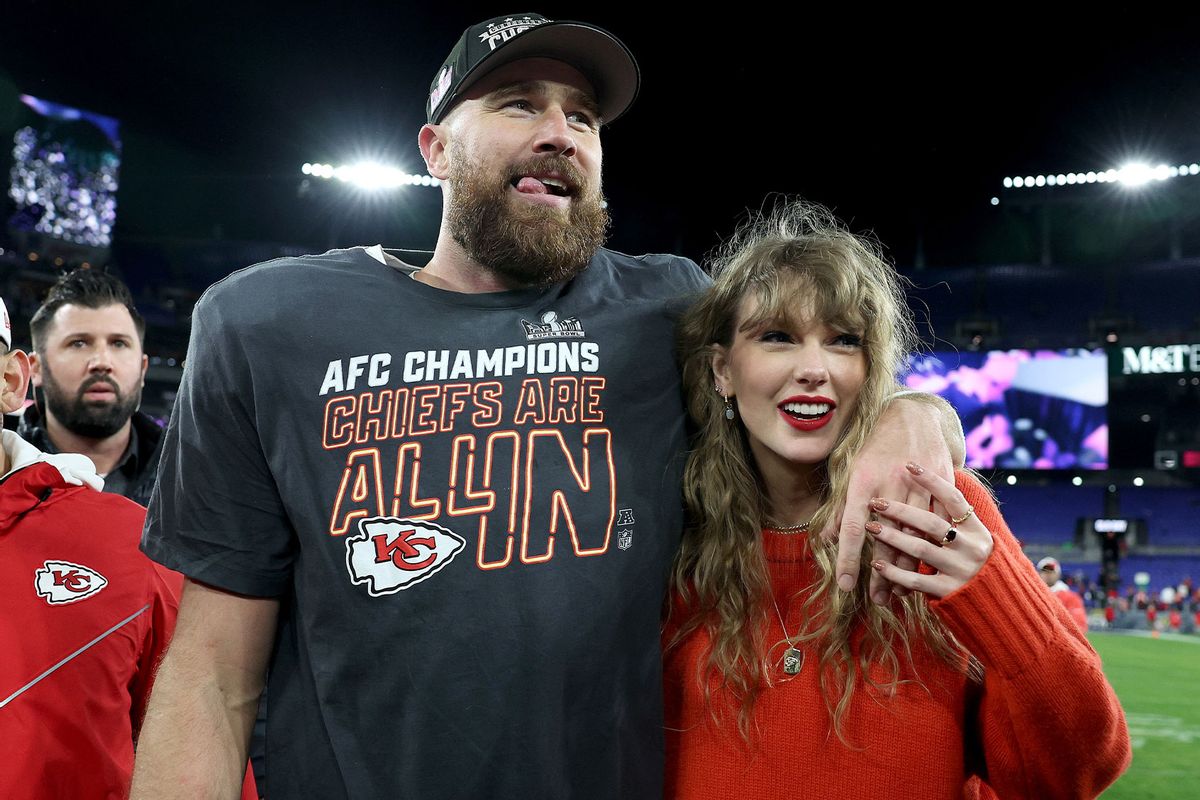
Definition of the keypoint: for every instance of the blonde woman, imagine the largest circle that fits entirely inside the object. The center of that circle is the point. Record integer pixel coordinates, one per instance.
(974, 684)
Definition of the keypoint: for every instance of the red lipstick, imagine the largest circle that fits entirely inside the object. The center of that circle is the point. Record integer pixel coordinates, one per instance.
(808, 422)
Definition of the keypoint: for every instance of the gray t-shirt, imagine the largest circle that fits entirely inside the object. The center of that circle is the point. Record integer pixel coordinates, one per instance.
(467, 504)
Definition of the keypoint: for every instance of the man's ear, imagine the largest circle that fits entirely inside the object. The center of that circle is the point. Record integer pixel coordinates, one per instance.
(35, 370)
(16, 381)
(433, 143)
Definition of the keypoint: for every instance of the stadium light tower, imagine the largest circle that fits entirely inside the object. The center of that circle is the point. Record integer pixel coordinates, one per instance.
(369, 175)
(1132, 175)
(1136, 178)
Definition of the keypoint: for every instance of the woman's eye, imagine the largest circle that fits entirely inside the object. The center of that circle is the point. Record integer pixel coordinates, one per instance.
(775, 336)
(848, 340)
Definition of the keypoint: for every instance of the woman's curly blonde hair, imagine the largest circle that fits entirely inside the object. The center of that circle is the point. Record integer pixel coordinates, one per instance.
(796, 261)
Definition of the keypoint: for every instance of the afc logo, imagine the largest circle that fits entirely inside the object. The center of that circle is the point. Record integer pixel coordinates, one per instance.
(391, 554)
(60, 582)
(625, 535)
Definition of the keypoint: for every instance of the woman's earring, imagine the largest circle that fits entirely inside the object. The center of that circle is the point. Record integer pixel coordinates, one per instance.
(728, 404)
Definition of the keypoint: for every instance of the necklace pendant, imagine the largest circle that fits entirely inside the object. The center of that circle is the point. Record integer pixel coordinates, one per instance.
(793, 661)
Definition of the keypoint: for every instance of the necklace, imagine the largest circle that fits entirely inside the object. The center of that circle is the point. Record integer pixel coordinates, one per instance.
(793, 658)
(798, 528)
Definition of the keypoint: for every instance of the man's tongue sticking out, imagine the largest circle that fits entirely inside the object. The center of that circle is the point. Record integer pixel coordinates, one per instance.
(531, 186)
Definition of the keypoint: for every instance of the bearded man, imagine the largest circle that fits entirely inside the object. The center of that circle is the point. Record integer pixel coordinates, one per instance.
(441, 502)
(88, 371)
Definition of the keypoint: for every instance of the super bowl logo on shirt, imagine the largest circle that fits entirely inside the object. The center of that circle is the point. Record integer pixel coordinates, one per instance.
(63, 582)
(390, 554)
(551, 327)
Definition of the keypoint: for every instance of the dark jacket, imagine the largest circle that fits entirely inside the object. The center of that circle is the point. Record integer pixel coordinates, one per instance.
(139, 466)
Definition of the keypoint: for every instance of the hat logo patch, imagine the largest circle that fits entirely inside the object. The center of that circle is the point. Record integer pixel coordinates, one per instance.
(62, 582)
(441, 86)
(497, 34)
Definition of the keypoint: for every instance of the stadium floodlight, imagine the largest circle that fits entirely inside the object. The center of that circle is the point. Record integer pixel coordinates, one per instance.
(369, 175)
(1011, 480)
(1137, 481)
(1077, 481)
(1132, 175)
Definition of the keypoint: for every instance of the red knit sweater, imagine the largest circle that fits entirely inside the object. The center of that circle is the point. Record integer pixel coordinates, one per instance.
(1045, 723)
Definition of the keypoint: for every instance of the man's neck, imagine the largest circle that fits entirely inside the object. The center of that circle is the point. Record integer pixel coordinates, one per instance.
(453, 270)
(105, 453)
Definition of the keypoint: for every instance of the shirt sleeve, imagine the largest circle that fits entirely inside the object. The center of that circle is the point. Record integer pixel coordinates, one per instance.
(216, 513)
(690, 281)
(1044, 701)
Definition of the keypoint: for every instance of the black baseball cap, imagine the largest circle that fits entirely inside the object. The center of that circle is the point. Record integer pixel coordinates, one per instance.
(597, 54)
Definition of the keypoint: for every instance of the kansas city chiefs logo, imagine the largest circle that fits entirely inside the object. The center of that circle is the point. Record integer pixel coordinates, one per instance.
(63, 582)
(390, 554)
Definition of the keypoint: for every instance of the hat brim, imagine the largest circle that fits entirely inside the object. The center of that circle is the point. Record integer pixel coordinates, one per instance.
(597, 54)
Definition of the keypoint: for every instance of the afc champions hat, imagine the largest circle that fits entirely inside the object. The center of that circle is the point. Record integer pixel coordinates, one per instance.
(597, 54)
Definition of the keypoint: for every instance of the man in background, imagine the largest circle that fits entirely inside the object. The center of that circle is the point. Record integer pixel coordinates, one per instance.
(84, 617)
(1051, 572)
(90, 367)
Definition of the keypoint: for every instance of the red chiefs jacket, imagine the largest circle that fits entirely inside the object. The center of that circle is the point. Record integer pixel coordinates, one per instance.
(85, 618)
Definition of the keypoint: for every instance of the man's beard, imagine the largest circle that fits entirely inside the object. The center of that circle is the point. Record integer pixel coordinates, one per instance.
(527, 243)
(82, 418)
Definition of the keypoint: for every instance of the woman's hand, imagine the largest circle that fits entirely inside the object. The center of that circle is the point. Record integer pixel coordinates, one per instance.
(920, 426)
(957, 550)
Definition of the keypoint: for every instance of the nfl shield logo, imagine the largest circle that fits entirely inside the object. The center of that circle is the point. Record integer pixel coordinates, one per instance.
(624, 539)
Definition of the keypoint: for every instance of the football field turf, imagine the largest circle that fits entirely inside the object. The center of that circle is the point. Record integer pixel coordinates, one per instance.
(1158, 681)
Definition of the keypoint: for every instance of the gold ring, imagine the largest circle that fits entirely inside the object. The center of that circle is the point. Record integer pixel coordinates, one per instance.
(964, 517)
(950, 536)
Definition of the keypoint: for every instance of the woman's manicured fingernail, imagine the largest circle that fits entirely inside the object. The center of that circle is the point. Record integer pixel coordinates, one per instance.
(914, 468)
(874, 527)
(845, 582)
(879, 504)
(878, 567)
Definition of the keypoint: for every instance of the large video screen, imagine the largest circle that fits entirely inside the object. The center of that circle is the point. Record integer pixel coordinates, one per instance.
(1154, 394)
(1023, 409)
(63, 180)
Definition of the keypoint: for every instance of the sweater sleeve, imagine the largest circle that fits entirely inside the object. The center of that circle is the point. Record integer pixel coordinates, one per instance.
(1048, 723)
